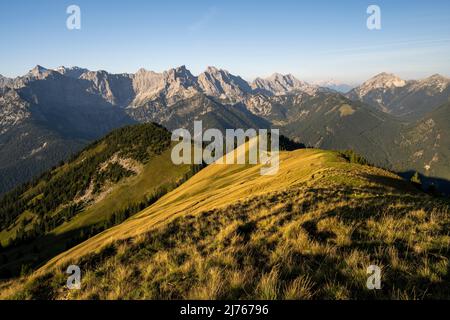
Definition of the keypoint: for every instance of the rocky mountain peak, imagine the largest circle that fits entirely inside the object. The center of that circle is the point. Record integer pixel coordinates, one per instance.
(212, 69)
(221, 83)
(39, 72)
(173, 84)
(146, 76)
(385, 80)
(287, 80)
(436, 79)
(407, 99)
(182, 75)
(438, 76)
(282, 77)
(73, 72)
(180, 71)
(436, 83)
(141, 71)
(38, 69)
(4, 81)
(279, 84)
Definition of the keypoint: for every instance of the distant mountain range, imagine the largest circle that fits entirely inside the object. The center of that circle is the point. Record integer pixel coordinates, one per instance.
(335, 85)
(409, 100)
(47, 115)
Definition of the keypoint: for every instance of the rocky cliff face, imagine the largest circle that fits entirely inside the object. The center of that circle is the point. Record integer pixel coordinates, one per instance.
(279, 84)
(116, 89)
(170, 86)
(46, 115)
(220, 83)
(409, 100)
(13, 110)
(4, 81)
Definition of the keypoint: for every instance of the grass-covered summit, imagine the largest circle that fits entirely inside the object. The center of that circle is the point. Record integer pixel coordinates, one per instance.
(309, 232)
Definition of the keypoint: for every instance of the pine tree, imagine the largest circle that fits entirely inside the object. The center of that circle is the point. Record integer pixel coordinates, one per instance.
(415, 179)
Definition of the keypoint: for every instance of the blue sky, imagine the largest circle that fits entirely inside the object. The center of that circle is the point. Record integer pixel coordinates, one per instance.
(314, 40)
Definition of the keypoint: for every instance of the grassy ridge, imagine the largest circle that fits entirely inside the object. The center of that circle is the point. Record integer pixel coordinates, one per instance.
(229, 233)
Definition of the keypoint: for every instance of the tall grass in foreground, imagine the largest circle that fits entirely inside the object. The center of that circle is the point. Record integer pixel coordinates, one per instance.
(302, 243)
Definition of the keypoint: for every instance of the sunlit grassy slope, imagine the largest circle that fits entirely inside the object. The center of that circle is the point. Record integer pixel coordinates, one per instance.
(158, 172)
(214, 187)
(153, 172)
(310, 231)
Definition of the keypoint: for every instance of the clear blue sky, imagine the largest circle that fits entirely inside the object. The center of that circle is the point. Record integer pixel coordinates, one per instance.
(314, 40)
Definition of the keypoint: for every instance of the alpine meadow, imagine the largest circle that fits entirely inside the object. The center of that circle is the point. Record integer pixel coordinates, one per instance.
(222, 156)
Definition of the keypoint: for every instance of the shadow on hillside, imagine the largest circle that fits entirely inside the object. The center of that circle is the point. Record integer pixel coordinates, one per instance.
(390, 182)
(429, 184)
(286, 144)
(35, 253)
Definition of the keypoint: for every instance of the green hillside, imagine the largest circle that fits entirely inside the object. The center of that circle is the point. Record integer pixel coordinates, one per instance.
(103, 185)
(309, 232)
(333, 122)
(426, 148)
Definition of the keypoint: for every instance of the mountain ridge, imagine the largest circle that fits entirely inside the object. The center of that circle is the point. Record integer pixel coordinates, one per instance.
(409, 100)
(70, 106)
(230, 233)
